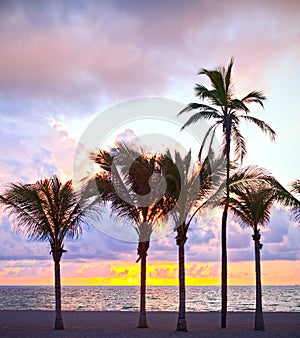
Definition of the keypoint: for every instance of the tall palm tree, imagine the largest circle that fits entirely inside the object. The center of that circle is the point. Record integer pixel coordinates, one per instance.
(186, 193)
(252, 204)
(227, 111)
(49, 210)
(127, 191)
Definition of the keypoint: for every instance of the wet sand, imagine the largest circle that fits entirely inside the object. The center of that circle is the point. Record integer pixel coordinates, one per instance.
(161, 324)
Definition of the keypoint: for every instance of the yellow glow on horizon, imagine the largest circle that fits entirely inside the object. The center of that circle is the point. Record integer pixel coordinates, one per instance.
(158, 274)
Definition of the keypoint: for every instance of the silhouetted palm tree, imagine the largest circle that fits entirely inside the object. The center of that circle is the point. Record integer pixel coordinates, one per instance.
(182, 188)
(123, 183)
(253, 209)
(251, 204)
(186, 193)
(227, 111)
(49, 210)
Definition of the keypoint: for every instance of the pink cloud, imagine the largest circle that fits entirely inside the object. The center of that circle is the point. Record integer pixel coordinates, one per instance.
(134, 50)
(201, 270)
(92, 270)
(163, 273)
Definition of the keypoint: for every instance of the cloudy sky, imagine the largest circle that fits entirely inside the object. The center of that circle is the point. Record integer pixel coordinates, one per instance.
(62, 63)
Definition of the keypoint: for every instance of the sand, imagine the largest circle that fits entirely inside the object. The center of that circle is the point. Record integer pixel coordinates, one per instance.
(161, 324)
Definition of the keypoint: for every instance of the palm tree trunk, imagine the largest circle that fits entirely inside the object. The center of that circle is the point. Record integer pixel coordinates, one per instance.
(142, 251)
(181, 323)
(259, 319)
(224, 268)
(59, 325)
(223, 233)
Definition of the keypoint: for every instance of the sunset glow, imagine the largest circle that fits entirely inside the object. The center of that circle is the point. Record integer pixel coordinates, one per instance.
(158, 274)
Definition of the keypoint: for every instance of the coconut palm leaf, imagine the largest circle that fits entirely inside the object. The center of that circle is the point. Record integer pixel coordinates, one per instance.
(201, 115)
(240, 143)
(264, 127)
(254, 97)
(296, 205)
(210, 132)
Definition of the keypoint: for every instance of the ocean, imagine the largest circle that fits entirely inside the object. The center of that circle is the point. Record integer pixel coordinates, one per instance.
(105, 298)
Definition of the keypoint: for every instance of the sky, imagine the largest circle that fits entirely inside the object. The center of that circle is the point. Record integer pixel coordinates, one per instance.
(64, 63)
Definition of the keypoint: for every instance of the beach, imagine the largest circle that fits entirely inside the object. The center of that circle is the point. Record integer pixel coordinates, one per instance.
(37, 323)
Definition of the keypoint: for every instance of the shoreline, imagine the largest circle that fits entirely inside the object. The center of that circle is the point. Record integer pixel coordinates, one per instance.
(39, 323)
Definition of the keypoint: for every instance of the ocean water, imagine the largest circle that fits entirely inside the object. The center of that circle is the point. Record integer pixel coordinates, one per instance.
(102, 298)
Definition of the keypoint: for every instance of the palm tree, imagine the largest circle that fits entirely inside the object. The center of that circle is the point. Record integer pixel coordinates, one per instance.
(186, 193)
(123, 183)
(181, 194)
(253, 209)
(49, 210)
(251, 204)
(227, 111)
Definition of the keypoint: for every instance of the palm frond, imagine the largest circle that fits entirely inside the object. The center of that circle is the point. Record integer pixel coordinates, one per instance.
(228, 75)
(211, 129)
(248, 177)
(46, 209)
(218, 83)
(282, 195)
(211, 96)
(239, 182)
(201, 107)
(22, 203)
(254, 96)
(103, 158)
(81, 207)
(295, 185)
(202, 115)
(252, 206)
(239, 105)
(264, 127)
(239, 141)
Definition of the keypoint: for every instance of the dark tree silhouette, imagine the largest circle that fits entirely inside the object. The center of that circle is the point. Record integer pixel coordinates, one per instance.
(227, 112)
(251, 204)
(123, 182)
(49, 210)
(187, 192)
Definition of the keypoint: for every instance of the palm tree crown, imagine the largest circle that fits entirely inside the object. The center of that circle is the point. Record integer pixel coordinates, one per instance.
(253, 206)
(46, 210)
(223, 107)
(123, 182)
